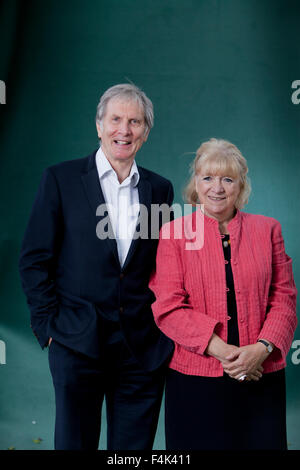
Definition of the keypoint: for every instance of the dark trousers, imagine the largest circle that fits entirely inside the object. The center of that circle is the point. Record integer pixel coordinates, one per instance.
(133, 398)
(220, 413)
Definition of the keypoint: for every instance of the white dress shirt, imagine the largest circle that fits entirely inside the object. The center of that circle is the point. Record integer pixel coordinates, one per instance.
(122, 201)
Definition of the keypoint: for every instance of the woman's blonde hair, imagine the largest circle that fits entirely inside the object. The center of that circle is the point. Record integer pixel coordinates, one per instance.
(219, 157)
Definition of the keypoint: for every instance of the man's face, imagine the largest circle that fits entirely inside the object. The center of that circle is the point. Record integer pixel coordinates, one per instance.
(122, 131)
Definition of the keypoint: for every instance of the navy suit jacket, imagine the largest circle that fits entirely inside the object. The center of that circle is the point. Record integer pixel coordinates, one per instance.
(73, 280)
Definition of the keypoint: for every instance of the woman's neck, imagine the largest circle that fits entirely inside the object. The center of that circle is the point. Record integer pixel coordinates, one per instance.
(223, 227)
(223, 223)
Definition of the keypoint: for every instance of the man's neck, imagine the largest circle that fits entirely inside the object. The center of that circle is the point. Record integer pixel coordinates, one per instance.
(121, 167)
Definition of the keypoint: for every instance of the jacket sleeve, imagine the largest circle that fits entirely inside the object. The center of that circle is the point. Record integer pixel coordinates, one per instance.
(38, 256)
(175, 317)
(281, 320)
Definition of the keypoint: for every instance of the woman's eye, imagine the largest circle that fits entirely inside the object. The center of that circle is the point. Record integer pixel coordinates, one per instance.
(228, 180)
(207, 178)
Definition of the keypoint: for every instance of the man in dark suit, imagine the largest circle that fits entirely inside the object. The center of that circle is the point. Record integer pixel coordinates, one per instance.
(85, 263)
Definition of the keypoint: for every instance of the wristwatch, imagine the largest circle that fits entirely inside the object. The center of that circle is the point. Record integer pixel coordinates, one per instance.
(269, 347)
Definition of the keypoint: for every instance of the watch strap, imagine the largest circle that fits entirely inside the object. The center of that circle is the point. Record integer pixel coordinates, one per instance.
(268, 345)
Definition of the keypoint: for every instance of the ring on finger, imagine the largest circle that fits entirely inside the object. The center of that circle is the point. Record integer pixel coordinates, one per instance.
(242, 378)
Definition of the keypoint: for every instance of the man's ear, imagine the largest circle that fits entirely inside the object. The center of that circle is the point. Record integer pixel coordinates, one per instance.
(98, 130)
(146, 135)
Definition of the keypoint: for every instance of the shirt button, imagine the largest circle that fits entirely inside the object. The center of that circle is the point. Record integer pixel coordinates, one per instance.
(228, 317)
(242, 320)
(121, 309)
(238, 291)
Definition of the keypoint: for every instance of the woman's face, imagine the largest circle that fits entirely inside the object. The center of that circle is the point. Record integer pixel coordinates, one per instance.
(218, 193)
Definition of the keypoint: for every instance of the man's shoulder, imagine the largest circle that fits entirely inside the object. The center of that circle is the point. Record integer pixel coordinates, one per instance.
(155, 178)
(72, 165)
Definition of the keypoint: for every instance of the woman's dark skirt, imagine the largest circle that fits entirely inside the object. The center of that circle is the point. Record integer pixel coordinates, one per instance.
(220, 413)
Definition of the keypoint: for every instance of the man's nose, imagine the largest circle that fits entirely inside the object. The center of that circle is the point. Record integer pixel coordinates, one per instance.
(124, 127)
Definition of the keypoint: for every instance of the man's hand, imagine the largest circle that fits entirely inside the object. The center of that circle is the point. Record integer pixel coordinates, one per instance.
(246, 360)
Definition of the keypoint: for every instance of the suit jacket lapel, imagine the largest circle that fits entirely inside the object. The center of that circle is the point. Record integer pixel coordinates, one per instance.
(91, 183)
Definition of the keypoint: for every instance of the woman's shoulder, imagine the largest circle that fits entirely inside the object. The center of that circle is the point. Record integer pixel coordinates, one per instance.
(259, 221)
(176, 226)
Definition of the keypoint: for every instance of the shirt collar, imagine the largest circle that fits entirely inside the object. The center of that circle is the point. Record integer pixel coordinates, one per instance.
(105, 168)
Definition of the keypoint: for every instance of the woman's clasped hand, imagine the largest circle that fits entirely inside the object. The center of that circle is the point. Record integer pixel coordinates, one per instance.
(245, 361)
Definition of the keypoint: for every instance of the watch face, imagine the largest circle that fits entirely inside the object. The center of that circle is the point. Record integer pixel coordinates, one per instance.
(269, 348)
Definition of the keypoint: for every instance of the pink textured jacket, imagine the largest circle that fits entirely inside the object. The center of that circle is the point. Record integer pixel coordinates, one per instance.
(190, 288)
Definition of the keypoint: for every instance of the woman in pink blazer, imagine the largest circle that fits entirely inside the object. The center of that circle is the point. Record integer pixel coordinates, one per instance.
(227, 299)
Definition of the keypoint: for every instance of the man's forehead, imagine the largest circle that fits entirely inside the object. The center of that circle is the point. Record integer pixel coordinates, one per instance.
(123, 106)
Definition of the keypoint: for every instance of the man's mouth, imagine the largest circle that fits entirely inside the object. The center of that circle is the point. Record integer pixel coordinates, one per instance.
(122, 142)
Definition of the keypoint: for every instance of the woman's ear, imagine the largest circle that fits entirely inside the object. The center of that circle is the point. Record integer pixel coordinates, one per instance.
(196, 183)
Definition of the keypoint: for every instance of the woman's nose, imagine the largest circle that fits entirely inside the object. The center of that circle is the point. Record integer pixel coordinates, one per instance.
(218, 186)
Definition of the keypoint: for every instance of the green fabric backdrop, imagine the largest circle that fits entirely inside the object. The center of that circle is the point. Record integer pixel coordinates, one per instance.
(213, 68)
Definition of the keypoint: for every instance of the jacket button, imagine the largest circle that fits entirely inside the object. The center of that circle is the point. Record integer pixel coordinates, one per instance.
(122, 275)
(121, 309)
